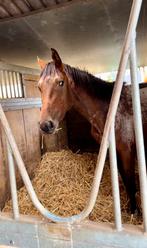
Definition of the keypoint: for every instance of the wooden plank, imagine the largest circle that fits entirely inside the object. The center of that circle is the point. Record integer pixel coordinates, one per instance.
(32, 133)
(30, 77)
(22, 6)
(49, 2)
(3, 12)
(16, 122)
(15, 119)
(12, 9)
(30, 84)
(27, 136)
(63, 3)
(35, 4)
(17, 68)
(31, 89)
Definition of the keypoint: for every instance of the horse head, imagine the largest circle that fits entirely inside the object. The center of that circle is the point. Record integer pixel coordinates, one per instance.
(54, 85)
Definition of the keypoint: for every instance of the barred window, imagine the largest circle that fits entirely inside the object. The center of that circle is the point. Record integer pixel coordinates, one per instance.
(11, 85)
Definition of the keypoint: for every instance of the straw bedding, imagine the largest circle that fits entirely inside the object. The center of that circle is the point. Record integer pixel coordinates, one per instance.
(63, 181)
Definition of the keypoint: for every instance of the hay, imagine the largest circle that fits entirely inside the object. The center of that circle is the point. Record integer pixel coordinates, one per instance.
(63, 181)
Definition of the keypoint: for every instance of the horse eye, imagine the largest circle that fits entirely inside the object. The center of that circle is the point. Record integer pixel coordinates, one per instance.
(61, 83)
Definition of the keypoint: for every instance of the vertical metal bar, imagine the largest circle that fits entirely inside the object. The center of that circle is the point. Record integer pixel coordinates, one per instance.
(1, 89)
(15, 84)
(114, 179)
(9, 84)
(134, 15)
(139, 132)
(12, 85)
(12, 182)
(4, 85)
(13, 80)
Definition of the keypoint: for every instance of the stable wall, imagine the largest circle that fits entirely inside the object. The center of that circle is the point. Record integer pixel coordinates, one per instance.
(23, 115)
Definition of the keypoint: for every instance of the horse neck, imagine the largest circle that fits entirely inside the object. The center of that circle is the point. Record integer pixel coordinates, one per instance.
(93, 109)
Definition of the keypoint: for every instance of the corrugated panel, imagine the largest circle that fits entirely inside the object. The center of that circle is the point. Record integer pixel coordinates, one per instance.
(3, 12)
(35, 4)
(22, 6)
(11, 7)
(19, 8)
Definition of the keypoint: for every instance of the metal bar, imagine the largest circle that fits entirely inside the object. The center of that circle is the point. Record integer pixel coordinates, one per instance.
(1, 88)
(9, 84)
(15, 84)
(12, 84)
(139, 132)
(18, 84)
(12, 182)
(113, 106)
(5, 84)
(20, 103)
(2, 85)
(114, 179)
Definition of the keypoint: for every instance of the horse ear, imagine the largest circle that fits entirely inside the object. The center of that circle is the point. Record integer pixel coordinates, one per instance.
(57, 60)
(41, 63)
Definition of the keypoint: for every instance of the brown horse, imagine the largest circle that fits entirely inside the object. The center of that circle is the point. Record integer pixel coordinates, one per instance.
(63, 87)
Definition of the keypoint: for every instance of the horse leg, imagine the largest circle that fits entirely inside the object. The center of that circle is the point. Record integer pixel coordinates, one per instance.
(126, 167)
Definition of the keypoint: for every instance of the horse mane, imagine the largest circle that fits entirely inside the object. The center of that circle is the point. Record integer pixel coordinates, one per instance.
(94, 86)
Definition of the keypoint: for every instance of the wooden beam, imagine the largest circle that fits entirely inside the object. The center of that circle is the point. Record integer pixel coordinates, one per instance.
(43, 9)
(11, 7)
(22, 6)
(17, 68)
(3, 12)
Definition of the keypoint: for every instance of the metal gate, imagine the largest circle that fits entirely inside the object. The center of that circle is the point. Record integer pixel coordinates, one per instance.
(122, 236)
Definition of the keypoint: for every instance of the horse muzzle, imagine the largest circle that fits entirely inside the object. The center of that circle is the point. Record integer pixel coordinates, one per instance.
(47, 127)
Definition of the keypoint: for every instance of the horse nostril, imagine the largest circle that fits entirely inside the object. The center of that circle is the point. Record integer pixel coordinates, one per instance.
(51, 124)
(47, 126)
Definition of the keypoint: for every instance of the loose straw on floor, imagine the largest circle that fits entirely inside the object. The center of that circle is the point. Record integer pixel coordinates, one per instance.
(63, 181)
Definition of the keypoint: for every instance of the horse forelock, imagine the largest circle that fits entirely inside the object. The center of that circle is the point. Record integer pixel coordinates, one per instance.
(48, 70)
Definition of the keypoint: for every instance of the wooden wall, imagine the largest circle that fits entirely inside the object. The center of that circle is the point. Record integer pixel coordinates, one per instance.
(24, 122)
